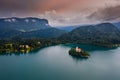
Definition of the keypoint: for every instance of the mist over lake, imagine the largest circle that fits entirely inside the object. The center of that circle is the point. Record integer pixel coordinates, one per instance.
(54, 63)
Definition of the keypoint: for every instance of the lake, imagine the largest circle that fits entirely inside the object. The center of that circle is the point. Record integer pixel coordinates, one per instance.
(54, 63)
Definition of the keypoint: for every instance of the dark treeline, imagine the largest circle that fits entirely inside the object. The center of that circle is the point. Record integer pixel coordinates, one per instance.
(20, 45)
(25, 45)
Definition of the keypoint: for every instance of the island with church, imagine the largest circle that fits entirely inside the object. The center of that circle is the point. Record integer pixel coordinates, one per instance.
(78, 52)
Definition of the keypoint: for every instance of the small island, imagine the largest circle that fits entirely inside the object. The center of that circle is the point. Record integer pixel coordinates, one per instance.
(78, 52)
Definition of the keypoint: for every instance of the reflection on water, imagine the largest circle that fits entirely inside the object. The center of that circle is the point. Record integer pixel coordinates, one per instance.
(85, 47)
(10, 54)
(78, 58)
(90, 47)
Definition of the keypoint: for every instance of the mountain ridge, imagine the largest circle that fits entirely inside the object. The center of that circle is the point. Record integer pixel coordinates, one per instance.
(105, 34)
(24, 23)
(30, 27)
(99, 34)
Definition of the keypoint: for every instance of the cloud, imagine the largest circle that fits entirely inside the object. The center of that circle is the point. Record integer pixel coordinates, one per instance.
(62, 12)
(110, 13)
(56, 19)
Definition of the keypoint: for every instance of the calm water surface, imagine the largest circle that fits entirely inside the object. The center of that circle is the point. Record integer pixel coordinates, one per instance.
(54, 63)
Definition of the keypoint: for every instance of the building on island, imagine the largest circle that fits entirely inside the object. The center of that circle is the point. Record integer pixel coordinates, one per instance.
(78, 49)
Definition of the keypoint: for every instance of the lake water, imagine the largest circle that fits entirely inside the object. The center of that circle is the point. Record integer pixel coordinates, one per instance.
(54, 63)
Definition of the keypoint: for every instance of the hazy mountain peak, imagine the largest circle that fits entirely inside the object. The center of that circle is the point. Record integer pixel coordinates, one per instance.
(26, 24)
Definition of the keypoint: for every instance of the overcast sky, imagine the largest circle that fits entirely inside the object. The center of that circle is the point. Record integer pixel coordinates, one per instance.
(63, 12)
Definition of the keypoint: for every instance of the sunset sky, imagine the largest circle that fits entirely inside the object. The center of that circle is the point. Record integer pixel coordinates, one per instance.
(63, 12)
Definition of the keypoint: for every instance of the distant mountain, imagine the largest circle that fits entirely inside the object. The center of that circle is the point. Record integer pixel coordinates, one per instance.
(23, 24)
(67, 28)
(117, 24)
(101, 34)
(27, 28)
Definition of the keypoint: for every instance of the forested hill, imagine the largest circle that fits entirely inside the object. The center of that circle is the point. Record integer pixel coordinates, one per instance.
(101, 34)
(27, 28)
